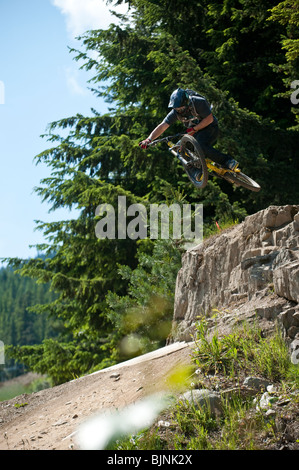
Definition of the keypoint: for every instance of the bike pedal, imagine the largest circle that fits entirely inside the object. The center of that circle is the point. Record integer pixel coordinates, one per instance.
(236, 170)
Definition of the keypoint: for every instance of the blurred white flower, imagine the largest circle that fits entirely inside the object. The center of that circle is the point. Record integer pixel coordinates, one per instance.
(101, 431)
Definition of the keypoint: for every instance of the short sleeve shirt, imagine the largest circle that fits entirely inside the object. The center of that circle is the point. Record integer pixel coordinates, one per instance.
(198, 110)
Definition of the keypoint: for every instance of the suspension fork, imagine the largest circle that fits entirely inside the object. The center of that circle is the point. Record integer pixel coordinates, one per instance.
(174, 149)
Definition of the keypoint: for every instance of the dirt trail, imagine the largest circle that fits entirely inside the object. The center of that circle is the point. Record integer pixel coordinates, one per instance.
(49, 419)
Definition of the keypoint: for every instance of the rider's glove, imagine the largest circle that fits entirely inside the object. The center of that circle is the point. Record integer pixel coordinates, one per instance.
(191, 130)
(145, 143)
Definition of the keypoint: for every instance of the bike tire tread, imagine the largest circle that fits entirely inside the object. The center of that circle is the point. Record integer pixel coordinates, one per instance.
(188, 139)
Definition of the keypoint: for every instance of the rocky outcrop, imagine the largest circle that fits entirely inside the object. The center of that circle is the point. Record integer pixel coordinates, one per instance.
(250, 270)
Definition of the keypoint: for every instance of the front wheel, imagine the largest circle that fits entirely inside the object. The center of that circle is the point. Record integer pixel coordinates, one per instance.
(196, 167)
(240, 179)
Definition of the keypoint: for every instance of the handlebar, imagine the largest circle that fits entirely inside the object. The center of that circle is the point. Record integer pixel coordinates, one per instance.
(165, 139)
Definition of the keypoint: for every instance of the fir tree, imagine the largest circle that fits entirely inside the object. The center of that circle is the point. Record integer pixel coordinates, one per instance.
(166, 45)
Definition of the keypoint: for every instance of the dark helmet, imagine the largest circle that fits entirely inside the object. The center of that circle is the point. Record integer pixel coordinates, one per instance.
(178, 98)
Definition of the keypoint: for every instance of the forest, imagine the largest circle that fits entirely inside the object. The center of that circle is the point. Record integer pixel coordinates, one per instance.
(19, 325)
(113, 298)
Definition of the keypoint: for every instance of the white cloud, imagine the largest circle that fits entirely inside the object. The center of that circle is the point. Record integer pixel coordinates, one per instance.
(82, 15)
(73, 82)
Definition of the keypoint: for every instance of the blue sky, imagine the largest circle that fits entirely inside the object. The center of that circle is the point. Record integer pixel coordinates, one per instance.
(40, 83)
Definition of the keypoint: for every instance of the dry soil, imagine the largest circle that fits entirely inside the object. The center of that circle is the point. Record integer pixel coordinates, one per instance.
(49, 419)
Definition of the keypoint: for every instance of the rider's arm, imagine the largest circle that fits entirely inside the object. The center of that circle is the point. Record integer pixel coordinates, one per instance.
(204, 123)
(158, 130)
(154, 134)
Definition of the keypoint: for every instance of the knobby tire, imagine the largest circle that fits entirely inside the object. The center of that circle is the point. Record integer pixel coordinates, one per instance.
(190, 147)
(240, 179)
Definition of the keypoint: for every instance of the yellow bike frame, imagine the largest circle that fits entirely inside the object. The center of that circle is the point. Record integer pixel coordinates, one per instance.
(210, 164)
(220, 171)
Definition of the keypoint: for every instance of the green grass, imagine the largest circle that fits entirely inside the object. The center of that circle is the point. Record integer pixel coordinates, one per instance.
(243, 350)
(211, 229)
(223, 362)
(11, 391)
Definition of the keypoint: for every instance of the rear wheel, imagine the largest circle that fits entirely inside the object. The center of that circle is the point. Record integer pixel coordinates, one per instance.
(240, 179)
(196, 169)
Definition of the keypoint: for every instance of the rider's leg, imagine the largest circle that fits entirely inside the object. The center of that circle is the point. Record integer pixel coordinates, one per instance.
(207, 137)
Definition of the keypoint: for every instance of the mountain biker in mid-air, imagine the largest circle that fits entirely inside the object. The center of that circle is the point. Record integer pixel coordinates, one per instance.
(194, 111)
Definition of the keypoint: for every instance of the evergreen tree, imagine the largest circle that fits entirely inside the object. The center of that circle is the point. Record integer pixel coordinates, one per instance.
(234, 42)
(166, 45)
(287, 14)
(19, 324)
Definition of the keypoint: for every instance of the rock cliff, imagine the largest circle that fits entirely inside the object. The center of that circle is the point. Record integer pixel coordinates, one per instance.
(248, 271)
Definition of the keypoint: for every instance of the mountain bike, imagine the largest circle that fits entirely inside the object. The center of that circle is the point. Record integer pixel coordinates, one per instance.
(199, 168)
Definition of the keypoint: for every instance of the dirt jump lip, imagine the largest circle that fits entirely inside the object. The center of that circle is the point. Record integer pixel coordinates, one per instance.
(49, 419)
(164, 351)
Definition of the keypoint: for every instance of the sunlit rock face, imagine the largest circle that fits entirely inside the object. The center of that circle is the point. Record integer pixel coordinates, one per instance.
(246, 272)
